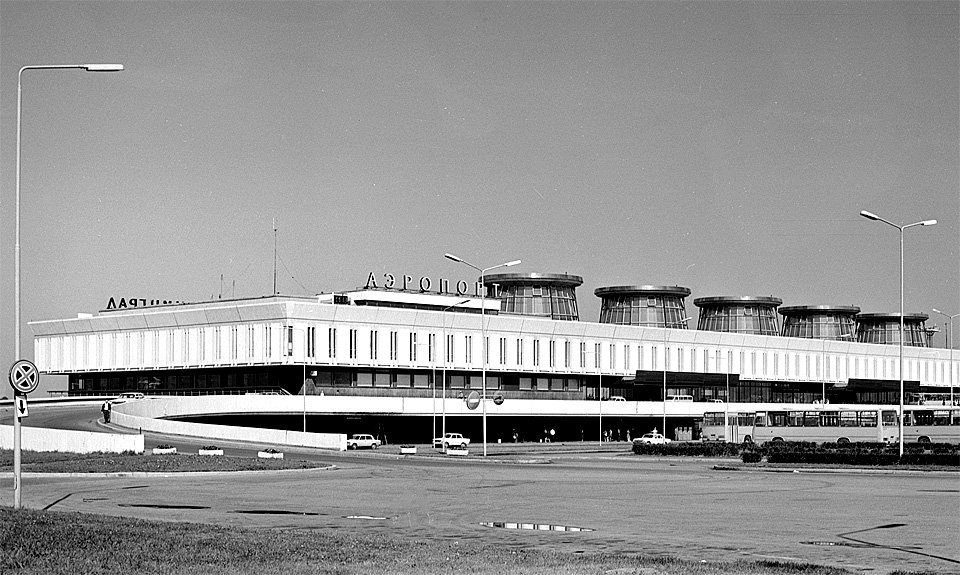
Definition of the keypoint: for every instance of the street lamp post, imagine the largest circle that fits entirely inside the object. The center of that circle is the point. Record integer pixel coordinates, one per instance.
(443, 374)
(823, 366)
(872, 216)
(666, 361)
(288, 351)
(483, 334)
(16, 248)
(16, 289)
(950, 344)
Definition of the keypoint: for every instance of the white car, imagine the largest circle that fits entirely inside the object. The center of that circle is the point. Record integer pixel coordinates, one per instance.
(451, 440)
(362, 440)
(653, 438)
(128, 396)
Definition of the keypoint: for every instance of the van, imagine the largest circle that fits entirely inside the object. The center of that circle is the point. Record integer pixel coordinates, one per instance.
(679, 398)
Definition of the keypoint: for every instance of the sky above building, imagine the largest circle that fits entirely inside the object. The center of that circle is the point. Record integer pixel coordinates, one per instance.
(727, 147)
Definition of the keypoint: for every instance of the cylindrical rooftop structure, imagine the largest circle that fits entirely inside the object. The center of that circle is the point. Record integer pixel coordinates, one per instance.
(755, 315)
(542, 295)
(654, 306)
(884, 328)
(820, 322)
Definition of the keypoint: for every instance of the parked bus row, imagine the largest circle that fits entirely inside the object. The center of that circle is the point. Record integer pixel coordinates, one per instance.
(923, 424)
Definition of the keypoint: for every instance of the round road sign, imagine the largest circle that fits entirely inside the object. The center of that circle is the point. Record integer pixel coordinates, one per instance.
(473, 400)
(24, 376)
(498, 399)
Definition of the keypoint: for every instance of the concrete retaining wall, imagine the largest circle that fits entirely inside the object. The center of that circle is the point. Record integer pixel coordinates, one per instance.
(41, 439)
(146, 414)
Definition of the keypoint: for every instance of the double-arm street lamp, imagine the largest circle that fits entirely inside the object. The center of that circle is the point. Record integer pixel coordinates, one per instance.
(483, 335)
(16, 248)
(872, 216)
(950, 345)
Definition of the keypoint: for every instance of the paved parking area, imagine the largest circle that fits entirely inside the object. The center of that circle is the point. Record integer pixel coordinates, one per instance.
(872, 523)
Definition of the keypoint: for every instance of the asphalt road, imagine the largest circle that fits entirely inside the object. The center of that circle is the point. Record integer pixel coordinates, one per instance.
(869, 522)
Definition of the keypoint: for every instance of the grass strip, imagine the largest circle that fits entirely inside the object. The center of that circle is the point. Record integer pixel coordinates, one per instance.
(56, 462)
(54, 543)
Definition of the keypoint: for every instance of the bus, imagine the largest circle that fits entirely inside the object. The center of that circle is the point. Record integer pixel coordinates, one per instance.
(853, 423)
(739, 426)
(931, 424)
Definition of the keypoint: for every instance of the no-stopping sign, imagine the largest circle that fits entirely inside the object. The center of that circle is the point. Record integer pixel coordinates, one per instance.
(24, 376)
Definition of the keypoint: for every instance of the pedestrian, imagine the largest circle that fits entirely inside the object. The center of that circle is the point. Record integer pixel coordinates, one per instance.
(105, 408)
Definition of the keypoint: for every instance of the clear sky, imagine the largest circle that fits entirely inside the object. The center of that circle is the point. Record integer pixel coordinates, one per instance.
(727, 147)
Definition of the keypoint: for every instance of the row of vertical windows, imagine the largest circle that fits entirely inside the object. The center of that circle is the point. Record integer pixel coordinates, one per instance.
(654, 311)
(759, 320)
(836, 326)
(889, 333)
(558, 303)
(199, 345)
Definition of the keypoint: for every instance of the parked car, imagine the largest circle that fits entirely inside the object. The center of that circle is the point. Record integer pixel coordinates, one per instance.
(128, 396)
(617, 398)
(653, 438)
(359, 440)
(451, 440)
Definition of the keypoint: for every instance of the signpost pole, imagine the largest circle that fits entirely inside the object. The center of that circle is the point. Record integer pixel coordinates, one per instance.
(24, 378)
(16, 455)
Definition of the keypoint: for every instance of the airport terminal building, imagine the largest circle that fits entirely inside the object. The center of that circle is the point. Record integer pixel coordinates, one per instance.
(395, 353)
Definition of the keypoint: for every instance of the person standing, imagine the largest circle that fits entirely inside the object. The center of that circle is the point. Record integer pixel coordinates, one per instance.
(105, 408)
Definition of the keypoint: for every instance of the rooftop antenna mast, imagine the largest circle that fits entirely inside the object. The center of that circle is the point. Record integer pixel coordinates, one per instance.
(274, 256)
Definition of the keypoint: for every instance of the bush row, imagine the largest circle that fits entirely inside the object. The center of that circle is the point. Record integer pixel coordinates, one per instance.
(689, 449)
(944, 454)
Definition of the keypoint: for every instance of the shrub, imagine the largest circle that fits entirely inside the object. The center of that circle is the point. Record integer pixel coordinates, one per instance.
(751, 456)
(688, 449)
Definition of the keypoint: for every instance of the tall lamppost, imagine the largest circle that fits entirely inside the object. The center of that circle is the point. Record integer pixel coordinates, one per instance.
(443, 374)
(950, 344)
(872, 216)
(16, 248)
(288, 352)
(823, 367)
(599, 397)
(483, 334)
(666, 362)
(16, 289)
